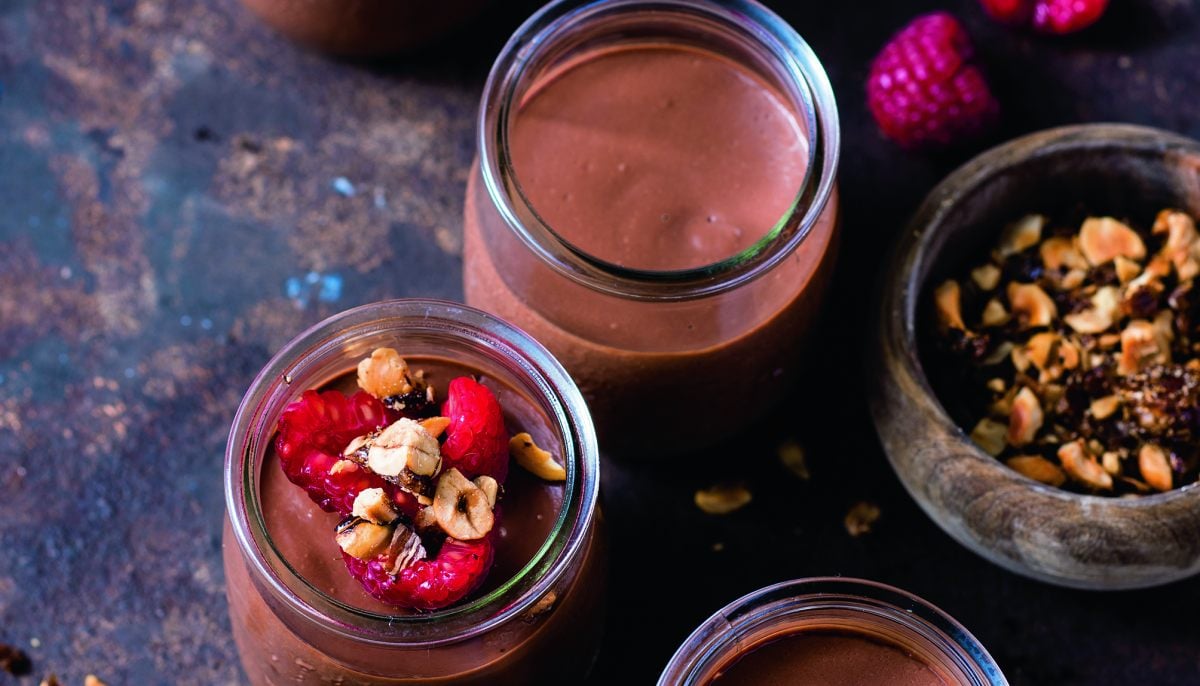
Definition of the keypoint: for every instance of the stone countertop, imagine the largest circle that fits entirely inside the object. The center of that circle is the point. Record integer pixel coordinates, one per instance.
(181, 191)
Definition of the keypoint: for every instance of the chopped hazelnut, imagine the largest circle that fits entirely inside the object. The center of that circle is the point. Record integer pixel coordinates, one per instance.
(989, 435)
(362, 539)
(994, 313)
(1103, 238)
(948, 297)
(986, 277)
(1141, 344)
(861, 518)
(1104, 311)
(435, 425)
(342, 466)
(373, 505)
(1026, 418)
(1183, 243)
(1038, 468)
(1031, 305)
(1059, 253)
(404, 549)
(722, 498)
(1111, 461)
(93, 680)
(1103, 408)
(535, 460)
(490, 488)
(384, 374)
(462, 508)
(404, 444)
(1080, 467)
(1155, 467)
(1127, 269)
(1020, 235)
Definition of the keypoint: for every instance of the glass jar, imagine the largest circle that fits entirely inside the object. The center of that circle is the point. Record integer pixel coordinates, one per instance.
(856, 607)
(702, 350)
(542, 624)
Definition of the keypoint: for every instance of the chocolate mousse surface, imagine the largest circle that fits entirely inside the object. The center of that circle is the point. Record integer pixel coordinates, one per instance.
(828, 658)
(677, 157)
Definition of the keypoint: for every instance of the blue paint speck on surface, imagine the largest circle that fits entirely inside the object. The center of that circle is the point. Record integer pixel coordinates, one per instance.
(206, 324)
(380, 198)
(343, 186)
(63, 358)
(185, 320)
(1, 379)
(331, 288)
(292, 288)
(312, 277)
(129, 372)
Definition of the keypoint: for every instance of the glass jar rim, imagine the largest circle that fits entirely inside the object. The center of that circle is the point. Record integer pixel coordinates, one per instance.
(759, 24)
(251, 431)
(727, 626)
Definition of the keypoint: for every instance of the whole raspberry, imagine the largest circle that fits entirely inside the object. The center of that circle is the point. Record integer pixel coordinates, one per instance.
(313, 430)
(458, 569)
(1047, 16)
(476, 440)
(1066, 16)
(923, 90)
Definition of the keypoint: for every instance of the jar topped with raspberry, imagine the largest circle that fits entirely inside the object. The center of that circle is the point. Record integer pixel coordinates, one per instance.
(375, 528)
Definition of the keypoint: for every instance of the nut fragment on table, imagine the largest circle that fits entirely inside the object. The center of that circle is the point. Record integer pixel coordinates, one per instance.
(861, 517)
(792, 456)
(723, 498)
(1075, 350)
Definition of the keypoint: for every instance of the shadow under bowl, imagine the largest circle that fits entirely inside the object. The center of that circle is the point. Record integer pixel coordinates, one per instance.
(1039, 531)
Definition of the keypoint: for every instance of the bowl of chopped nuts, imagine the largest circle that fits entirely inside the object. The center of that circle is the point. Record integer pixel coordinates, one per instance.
(1038, 361)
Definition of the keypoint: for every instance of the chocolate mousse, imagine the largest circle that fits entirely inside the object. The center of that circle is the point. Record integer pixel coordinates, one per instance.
(657, 157)
(828, 658)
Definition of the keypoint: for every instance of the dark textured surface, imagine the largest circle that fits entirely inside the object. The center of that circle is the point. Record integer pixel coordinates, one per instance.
(169, 217)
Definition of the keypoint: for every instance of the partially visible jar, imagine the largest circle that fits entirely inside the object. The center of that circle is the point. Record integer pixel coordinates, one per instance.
(669, 359)
(365, 28)
(831, 631)
(542, 625)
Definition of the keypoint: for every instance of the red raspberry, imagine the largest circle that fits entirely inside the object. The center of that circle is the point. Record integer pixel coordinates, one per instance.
(1011, 12)
(1066, 16)
(314, 430)
(922, 88)
(476, 440)
(1047, 16)
(458, 569)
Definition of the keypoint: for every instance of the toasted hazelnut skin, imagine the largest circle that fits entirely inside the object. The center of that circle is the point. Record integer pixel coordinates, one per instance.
(1021, 235)
(722, 499)
(405, 444)
(1104, 311)
(989, 435)
(1026, 418)
(384, 374)
(1079, 467)
(1038, 468)
(1031, 305)
(1141, 342)
(535, 460)
(948, 297)
(462, 508)
(1155, 468)
(1103, 238)
(490, 488)
(362, 539)
(373, 505)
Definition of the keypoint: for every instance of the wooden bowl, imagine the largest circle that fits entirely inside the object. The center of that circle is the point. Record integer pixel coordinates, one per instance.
(1027, 527)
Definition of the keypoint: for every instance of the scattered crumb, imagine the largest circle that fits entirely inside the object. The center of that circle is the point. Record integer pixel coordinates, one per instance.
(723, 498)
(718, 547)
(861, 517)
(92, 680)
(791, 454)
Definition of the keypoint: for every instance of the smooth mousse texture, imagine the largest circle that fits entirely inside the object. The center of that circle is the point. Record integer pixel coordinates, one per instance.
(606, 147)
(827, 658)
(658, 157)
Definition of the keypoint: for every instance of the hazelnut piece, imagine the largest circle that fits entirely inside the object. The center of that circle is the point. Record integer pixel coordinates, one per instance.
(1141, 343)
(989, 435)
(948, 299)
(1025, 419)
(373, 505)
(1038, 468)
(384, 374)
(722, 498)
(1080, 467)
(1127, 269)
(461, 507)
(404, 444)
(994, 313)
(1183, 243)
(1103, 238)
(362, 539)
(986, 277)
(490, 488)
(404, 549)
(1105, 309)
(535, 460)
(1103, 408)
(435, 425)
(1155, 467)
(1031, 305)
(1020, 235)
(1058, 253)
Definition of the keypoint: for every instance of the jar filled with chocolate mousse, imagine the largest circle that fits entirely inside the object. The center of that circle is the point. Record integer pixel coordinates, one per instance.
(831, 632)
(300, 604)
(654, 200)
